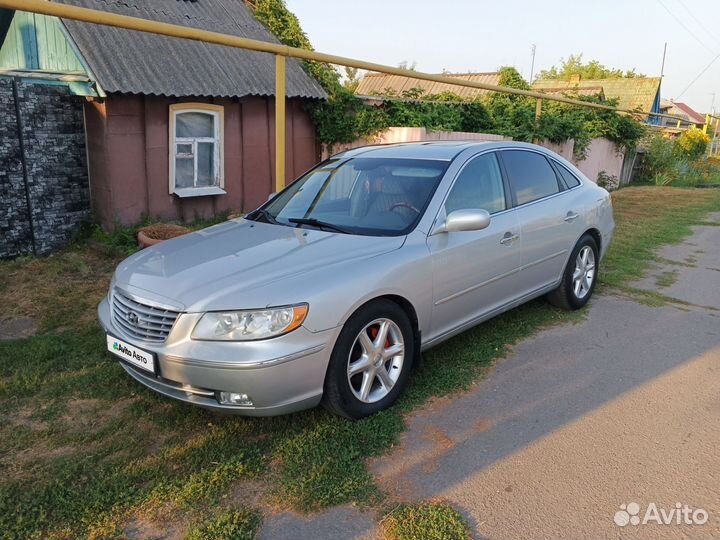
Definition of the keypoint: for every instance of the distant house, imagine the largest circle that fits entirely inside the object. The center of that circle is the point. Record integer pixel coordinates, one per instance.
(641, 93)
(374, 84)
(173, 128)
(632, 93)
(682, 110)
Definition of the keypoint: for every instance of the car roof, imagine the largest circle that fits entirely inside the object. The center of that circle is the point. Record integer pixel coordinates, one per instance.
(442, 150)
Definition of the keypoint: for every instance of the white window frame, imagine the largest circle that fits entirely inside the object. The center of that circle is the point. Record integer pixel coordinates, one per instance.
(218, 140)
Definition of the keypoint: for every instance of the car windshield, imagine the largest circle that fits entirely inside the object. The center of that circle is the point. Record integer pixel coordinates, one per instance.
(368, 196)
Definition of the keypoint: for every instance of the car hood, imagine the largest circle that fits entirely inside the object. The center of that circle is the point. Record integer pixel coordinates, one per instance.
(201, 270)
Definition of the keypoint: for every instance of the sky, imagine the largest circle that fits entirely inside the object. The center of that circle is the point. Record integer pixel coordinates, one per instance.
(466, 35)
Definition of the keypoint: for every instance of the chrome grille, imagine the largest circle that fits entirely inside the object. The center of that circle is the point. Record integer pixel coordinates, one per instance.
(140, 320)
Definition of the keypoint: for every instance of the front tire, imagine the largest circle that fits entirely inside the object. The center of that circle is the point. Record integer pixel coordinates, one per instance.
(371, 361)
(579, 277)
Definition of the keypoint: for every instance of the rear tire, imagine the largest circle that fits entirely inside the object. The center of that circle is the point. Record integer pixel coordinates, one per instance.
(579, 277)
(367, 375)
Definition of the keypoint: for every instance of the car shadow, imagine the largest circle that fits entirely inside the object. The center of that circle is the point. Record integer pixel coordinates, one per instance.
(559, 378)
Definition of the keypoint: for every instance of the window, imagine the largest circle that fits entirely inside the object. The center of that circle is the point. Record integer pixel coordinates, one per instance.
(569, 178)
(365, 196)
(479, 185)
(196, 154)
(344, 179)
(530, 175)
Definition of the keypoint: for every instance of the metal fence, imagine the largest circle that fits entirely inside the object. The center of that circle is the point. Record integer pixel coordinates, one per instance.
(281, 52)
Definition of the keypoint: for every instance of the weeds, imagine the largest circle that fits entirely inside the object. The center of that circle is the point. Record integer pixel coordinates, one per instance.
(427, 520)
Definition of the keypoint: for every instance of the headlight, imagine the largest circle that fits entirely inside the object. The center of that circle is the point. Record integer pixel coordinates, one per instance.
(249, 325)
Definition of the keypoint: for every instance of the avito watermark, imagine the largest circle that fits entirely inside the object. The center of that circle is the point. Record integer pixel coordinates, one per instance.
(680, 514)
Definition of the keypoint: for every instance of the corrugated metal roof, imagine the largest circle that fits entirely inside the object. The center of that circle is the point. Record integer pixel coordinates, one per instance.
(380, 83)
(688, 111)
(127, 61)
(631, 93)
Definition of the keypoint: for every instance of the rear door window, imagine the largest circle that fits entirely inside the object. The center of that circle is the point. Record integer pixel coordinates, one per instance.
(530, 175)
(569, 178)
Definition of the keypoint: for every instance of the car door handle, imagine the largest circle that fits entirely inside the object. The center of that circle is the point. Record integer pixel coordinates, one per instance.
(509, 238)
(571, 216)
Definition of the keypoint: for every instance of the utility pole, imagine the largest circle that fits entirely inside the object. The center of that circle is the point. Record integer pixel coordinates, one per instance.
(662, 74)
(662, 67)
(532, 65)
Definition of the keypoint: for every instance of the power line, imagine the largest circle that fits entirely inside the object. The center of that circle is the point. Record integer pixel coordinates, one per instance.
(698, 21)
(699, 75)
(701, 42)
(696, 38)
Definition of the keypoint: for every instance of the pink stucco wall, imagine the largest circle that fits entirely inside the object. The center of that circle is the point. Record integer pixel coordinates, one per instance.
(412, 134)
(602, 155)
(564, 149)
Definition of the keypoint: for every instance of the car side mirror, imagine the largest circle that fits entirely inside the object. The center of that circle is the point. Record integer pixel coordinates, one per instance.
(465, 220)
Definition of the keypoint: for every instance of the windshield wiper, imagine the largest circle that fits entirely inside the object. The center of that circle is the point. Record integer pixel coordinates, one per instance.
(262, 213)
(317, 223)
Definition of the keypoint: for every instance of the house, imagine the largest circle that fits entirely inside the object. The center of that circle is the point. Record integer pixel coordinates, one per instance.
(375, 84)
(642, 93)
(172, 128)
(683, 110)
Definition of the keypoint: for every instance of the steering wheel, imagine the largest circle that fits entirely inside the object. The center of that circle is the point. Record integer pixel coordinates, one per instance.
(403, 205)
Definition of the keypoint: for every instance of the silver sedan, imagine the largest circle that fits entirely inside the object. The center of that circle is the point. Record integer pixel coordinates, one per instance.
(330, 291)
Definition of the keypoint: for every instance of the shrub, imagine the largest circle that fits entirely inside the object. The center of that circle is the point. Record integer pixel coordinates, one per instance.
(659, 161)
(608, 181)
(691, 144)
(122, 239)
(704, 172)
(680, 161)
(442, 112)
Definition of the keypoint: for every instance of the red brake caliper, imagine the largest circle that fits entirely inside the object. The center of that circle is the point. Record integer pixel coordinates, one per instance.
(373, 334)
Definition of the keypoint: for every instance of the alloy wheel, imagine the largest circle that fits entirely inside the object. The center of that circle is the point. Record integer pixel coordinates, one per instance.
(375, 361)
(584, 273)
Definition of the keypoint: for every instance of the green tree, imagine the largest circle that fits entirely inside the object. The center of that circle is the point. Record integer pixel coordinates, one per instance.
(574, 65)
(512, 115)
(407, 64)
(342, 117)
(352, 79)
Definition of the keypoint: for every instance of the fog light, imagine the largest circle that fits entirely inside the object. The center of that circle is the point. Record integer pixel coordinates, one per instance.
(233, 398)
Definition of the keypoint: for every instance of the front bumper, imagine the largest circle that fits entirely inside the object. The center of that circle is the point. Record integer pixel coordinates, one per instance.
(281, 375)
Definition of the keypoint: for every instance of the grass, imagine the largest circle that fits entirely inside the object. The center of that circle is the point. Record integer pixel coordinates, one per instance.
(88, 453)
(123, 239)
(61, 291)
(647, 217)
(667, 279)
(240, 524)
(426, 520)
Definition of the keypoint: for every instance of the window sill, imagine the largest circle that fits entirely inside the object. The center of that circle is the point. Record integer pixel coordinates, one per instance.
(198, 192)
